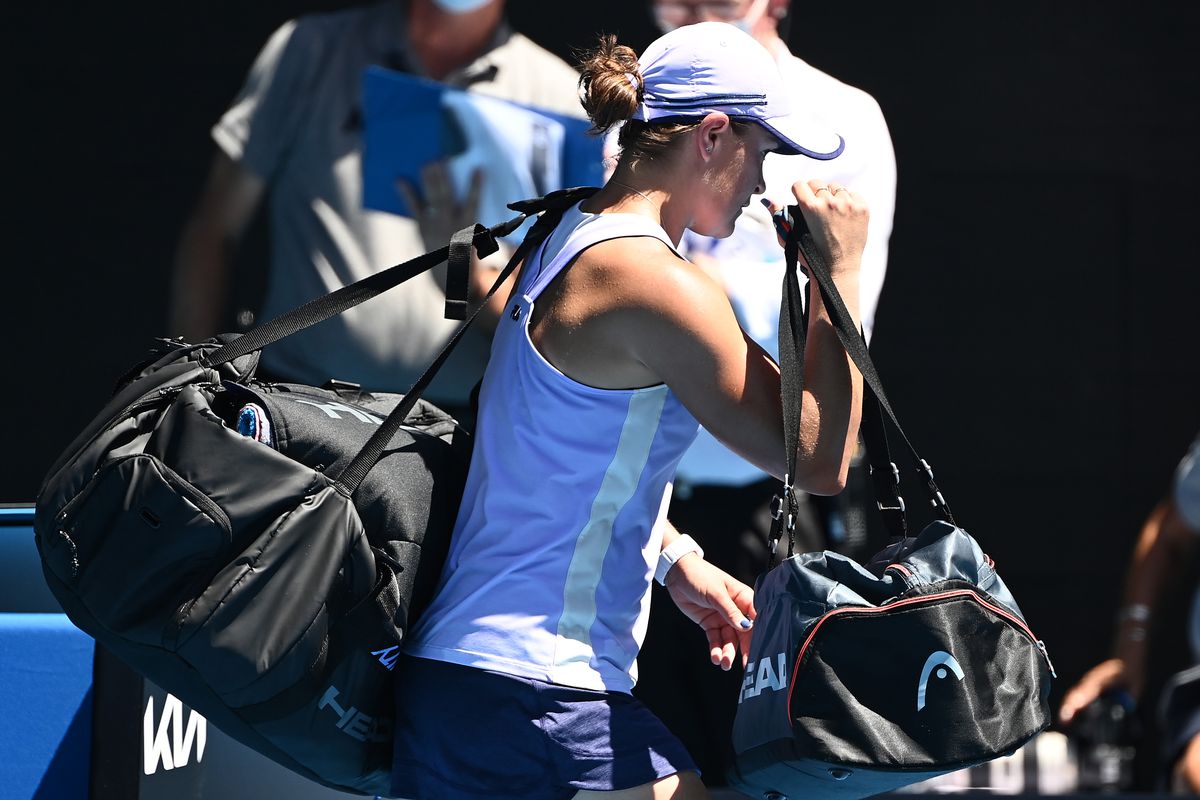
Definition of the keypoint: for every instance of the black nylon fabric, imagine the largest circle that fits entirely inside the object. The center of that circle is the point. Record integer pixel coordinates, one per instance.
(246, 577)
(856, 714)
(842, 655)
(237, 576)
(413, 491)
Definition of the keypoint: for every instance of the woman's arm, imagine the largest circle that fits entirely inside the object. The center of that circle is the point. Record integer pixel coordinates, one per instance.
(680, 326)
(1164, 544)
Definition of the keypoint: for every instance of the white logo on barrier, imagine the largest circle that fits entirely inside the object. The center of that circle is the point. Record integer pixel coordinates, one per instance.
(171, 743)
(332, 409)
(762, 676)
(940, 659)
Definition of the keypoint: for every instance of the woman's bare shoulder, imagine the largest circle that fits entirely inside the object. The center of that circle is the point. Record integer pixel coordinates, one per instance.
(643, 271)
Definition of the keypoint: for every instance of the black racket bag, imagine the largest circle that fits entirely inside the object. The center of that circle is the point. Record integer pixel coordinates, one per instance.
(258, 550)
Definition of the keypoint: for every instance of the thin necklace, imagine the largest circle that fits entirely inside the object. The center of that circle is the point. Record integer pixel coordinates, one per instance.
(635, 191)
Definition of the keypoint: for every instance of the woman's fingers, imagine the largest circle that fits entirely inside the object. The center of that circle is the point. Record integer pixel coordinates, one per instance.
(837, 218)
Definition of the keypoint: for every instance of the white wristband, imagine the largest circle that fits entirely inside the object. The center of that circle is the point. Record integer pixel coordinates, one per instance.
(1134, 612)
(672, 553)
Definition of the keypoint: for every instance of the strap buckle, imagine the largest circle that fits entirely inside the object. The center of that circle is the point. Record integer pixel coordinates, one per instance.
(895, 473)
(776, 507)
(484, 241)
(786, 499)
(936, 500)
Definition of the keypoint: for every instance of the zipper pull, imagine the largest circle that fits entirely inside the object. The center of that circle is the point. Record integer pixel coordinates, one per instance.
(1046, 655)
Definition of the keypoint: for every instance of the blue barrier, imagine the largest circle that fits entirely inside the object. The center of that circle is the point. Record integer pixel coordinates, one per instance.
(45, 707)
(45, 677)
(22, 587)
(53, 683)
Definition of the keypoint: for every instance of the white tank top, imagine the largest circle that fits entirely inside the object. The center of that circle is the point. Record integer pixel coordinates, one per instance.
(549, 569)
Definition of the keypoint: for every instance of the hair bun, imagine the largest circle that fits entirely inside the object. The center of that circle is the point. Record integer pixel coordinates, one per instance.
(610, 84)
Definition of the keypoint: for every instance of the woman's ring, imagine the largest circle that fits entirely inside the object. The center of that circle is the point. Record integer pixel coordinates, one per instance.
(821, 189)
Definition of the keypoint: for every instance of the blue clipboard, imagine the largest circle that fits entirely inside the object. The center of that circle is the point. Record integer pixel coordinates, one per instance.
(409, 122)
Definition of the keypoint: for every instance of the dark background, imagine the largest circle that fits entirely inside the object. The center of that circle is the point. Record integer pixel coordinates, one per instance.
(1037, 329)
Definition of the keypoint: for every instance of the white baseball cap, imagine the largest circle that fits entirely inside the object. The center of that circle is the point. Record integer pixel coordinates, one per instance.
(713, 66)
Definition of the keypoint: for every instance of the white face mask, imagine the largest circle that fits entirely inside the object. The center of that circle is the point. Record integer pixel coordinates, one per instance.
(460, 6)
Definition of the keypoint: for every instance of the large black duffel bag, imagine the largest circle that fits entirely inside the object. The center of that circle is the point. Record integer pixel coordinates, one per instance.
(267, 580)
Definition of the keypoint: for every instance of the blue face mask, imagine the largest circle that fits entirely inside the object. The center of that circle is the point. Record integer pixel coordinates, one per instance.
(679, 14)
(460, 6)
(753, 15)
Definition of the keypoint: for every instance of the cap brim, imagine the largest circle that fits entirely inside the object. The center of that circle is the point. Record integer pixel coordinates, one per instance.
(790, 129)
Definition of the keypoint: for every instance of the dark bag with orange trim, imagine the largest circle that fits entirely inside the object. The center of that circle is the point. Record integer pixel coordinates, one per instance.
(865, 678)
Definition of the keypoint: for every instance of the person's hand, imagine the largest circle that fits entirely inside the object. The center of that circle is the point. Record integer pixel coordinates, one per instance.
(1114, 673)
(441, 214)
(837, 219)
(716, 601)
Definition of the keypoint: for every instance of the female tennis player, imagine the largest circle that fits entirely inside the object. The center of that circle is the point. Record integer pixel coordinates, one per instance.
(611, 351)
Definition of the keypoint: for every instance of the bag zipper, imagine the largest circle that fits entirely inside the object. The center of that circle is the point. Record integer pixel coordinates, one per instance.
(68, 509)
(166, 394)
(206, 504)
(203, 502)
(1012, 618)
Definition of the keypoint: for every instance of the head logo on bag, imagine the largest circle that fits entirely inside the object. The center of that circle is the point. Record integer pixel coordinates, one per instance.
(939, 659)
(355, 723)
(335, 410)
(763, 675)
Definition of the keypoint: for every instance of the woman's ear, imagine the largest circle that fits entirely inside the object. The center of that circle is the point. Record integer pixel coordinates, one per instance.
(711, 131)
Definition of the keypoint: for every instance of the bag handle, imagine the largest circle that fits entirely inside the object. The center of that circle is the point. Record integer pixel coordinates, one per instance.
(350, 478)
(793, 337)
(799, 247)
(856, 346)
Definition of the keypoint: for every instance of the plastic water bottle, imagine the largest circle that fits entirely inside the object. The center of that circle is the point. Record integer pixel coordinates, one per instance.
(1105, 739)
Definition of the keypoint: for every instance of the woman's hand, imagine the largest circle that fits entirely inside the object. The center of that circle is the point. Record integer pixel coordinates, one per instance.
(838, 221)
(716, 601)
(1105, 676)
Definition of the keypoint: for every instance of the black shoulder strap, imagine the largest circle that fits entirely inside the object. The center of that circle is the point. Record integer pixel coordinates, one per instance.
(793, 336)
(318, 310)
(552, 207)
(800, 246)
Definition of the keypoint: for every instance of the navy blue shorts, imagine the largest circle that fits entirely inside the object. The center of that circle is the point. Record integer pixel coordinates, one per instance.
(469, 733)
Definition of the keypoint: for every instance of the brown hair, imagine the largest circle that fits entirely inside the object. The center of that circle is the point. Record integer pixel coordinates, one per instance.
(611, 87)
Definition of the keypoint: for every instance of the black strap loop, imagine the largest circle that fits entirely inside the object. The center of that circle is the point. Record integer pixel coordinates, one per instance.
(885, 475)
(458, 268)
